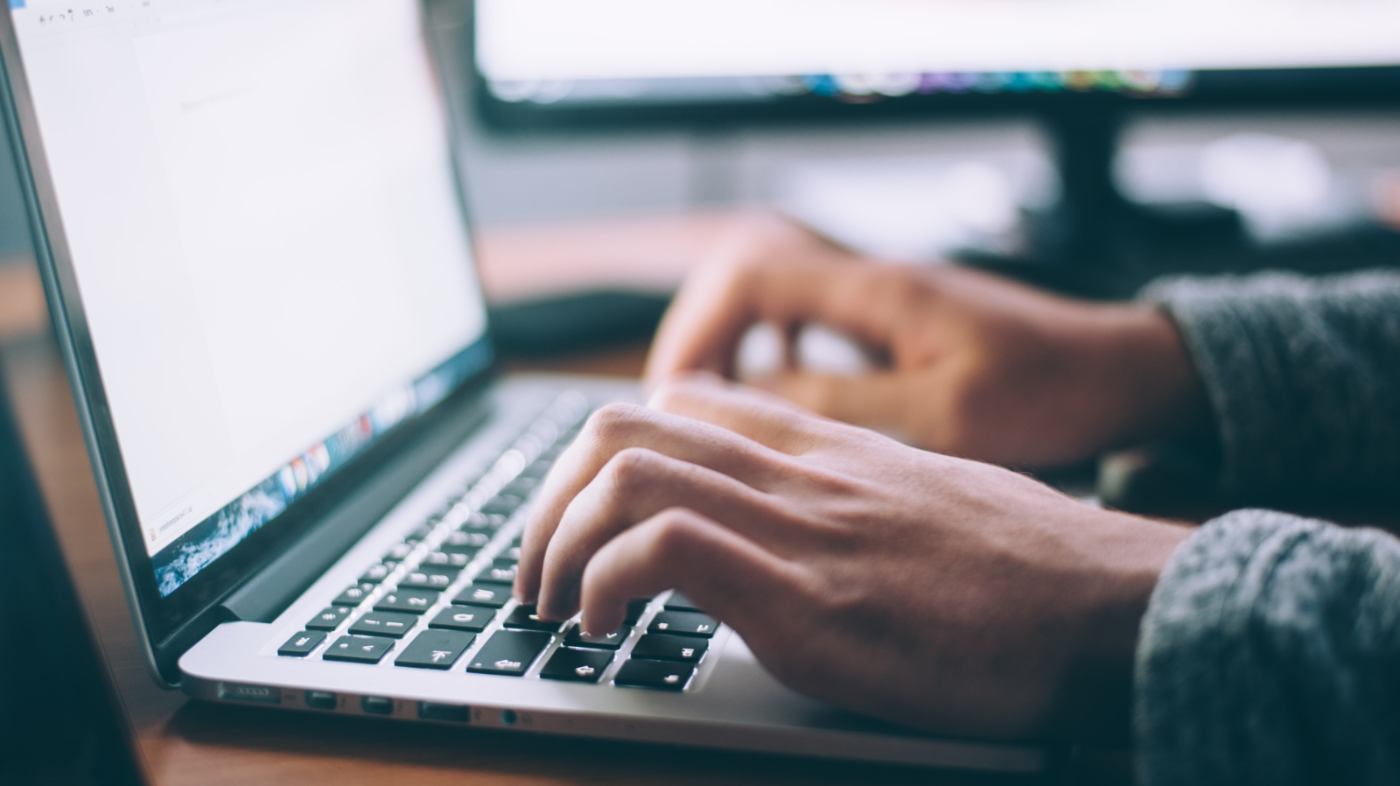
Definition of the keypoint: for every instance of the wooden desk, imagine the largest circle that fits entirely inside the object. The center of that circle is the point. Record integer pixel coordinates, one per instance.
(185, 742)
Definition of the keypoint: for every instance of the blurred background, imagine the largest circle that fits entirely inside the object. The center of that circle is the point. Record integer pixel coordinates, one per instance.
(566, 122)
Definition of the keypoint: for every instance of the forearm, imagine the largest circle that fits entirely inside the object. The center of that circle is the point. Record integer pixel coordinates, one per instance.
(1270, 653)
(1302, 377)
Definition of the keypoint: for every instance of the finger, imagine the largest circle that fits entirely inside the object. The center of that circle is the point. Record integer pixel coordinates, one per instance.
(617, 427)
(719, 569)
(762, 417)
(634, 486)
(879, 400)
(719, 303)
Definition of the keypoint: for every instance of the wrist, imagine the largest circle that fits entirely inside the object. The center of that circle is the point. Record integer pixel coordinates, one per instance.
(1151, 374)
(1095, 697)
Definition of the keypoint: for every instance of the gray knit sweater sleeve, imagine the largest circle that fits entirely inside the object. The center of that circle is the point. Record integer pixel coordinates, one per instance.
(1270, 654)
(1303, 377)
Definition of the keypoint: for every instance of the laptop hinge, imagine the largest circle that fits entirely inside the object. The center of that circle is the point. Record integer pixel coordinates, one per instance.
(277, 585)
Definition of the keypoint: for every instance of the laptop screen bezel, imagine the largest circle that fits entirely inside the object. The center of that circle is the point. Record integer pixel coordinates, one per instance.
(159, 618)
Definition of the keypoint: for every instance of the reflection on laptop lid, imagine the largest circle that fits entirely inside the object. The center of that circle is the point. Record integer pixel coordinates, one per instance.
(60, 721)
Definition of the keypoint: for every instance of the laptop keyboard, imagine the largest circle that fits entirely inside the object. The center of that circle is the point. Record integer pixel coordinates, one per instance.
(441, 599)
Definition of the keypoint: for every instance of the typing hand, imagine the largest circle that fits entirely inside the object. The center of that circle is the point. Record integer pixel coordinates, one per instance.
(973, 365)
(927, 590)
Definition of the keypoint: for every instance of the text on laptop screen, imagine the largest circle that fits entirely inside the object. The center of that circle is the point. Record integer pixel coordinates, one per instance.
(260, 209)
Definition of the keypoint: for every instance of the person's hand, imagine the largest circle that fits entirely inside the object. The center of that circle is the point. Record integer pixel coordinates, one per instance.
(931, 591)
(969, 364)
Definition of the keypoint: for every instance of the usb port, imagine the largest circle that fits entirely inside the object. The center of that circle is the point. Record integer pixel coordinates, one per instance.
(377, 705)
(444, 712)
(320, 700)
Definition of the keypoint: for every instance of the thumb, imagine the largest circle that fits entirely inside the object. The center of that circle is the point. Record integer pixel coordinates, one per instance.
(878, 400)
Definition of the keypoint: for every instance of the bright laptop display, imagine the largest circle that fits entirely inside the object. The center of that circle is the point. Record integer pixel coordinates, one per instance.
(270, 250)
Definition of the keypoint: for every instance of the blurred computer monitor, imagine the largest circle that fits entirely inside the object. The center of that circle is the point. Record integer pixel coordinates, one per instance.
(621, 59)
(1080, 67)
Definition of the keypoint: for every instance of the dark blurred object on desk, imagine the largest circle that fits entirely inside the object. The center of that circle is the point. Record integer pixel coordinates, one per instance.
(559, 324)
(60, 719)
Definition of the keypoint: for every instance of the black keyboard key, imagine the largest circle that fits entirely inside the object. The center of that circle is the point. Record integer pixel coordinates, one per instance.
(376, 574)
(523, 486)
(525, 618)
(659, 646)
(329, 619)
(384, 623)
(359, 649)
(471, 619)
(576, 665)
(502, 571)
(444, 560)
(301, 645)
(492, 595)
(605, 641)
(679, 602)
(407, 601)
(422, 580)
(539, 468)
(451, 571)
(435, 649)
(654, 674)
(503, 505)
(635, 609)
(684, 623)
(509, 652)
(353, 595)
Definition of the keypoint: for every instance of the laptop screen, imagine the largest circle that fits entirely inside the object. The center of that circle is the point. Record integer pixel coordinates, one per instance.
(262, 217)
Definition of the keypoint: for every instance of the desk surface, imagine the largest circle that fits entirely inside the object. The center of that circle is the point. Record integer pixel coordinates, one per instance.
(185, 742)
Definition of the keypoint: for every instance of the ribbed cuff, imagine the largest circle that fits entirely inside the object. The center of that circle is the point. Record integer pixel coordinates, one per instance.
(1270, 653)
(1192, 660)
(1302, 377)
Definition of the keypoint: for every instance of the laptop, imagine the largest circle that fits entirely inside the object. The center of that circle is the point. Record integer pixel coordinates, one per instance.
(60, 720)
(250, 222)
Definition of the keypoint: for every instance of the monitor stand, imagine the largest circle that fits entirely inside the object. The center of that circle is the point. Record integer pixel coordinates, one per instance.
(1094, 241)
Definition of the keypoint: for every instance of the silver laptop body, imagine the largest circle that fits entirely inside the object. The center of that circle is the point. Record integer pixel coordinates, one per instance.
(248, 218)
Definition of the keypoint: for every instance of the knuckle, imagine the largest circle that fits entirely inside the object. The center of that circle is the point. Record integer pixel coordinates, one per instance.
(630, 470)
(899, 287)
(742, 256)
(612, 422)
(672, 531)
